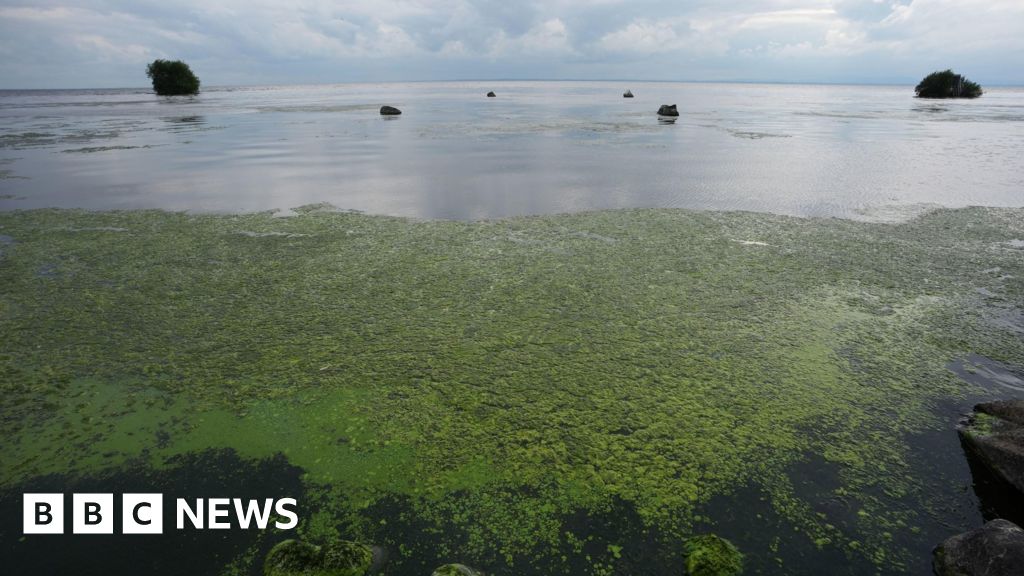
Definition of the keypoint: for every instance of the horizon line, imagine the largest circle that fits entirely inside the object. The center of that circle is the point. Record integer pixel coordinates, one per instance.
(454, 80)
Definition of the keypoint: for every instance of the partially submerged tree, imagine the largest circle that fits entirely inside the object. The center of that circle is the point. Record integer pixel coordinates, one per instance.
(947, 84)
(172, 78)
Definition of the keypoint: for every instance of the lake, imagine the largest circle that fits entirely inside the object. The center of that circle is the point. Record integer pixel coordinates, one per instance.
(863, 152)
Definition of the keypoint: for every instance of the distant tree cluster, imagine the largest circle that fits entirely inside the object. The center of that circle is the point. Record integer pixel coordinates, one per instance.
(947, 84)
(172, 78)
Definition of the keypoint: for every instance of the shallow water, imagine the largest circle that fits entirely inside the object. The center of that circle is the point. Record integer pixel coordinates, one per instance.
(539, 147)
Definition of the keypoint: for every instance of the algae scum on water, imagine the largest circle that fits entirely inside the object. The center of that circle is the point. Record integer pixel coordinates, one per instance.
(576, 394)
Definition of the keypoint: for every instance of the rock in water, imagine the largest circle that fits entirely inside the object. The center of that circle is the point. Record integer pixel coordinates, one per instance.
(295, 558)
(291, 557)
(389, 111)
(490, 95)
(667, 110)
(627, 94)
(455, 570)
(995, 549)
(712, 555)
(994, 434)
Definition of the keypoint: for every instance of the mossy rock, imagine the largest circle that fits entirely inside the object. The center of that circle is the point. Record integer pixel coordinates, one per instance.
(711, 555)
(455, 570)
(295, 558)
(994, 434)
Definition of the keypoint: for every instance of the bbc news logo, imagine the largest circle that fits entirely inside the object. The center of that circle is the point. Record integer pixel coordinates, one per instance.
(144, 513)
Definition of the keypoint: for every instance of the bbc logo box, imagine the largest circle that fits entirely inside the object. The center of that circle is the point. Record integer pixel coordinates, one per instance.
(43, 514)
(93, 514)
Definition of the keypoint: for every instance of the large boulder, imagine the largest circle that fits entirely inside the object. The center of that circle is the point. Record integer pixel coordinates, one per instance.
(296, 558)
(667, 110)
(627, 94)
(712, 555)
(994, 435)
(491, 95)
(389, 111)
(995, 549)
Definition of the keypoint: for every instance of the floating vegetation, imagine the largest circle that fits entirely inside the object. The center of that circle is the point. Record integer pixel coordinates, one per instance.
(757, 135)
(91, 149)
(487, 392)
(26, 140)
(31, 139)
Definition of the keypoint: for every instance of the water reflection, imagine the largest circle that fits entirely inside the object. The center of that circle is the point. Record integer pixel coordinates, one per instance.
(542, 147)
(186, 120)
(930, 109)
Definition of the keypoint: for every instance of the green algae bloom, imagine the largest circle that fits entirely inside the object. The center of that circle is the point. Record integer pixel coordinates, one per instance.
(487, 391)
(710, 555)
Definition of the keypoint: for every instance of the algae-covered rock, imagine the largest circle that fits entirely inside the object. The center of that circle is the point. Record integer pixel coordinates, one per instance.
(347, 558)
(456, 570)
(995, 549)
(994, 434)
(295, 558)
(711, 555)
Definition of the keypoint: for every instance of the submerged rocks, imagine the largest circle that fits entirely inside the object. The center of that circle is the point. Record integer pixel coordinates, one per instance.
(994, 435)
(491, 94)
(296, 558)
(389, 111)
(995, 549)
(667, 110)
(455, 570)
(712, 555)
(627, 94)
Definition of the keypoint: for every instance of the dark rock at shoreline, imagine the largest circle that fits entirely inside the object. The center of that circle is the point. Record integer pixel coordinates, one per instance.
(667, 110)
(389, 111)
(491, 94)
(627, 94)
(995, 549)
(994, 435)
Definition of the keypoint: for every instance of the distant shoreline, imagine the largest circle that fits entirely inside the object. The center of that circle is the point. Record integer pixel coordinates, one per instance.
(215, 87)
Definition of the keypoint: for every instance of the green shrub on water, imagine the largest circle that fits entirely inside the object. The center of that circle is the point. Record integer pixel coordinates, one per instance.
(172, 78)
(947, 84)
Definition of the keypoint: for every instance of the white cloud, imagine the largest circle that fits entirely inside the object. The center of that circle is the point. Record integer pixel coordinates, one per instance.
(642, 36)
(550, 37)
(102, 48)
(763, 39)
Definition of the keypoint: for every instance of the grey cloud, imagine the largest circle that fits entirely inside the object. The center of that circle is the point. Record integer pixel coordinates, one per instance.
(107, 42)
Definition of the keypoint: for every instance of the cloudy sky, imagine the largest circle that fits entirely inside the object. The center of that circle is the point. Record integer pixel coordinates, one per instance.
(106, 43)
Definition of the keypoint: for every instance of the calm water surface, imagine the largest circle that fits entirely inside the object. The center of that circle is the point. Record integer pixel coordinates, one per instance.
(539, 147)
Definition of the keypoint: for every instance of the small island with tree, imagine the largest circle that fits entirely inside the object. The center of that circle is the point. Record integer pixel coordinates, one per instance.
(947, 84)
(172, 78)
